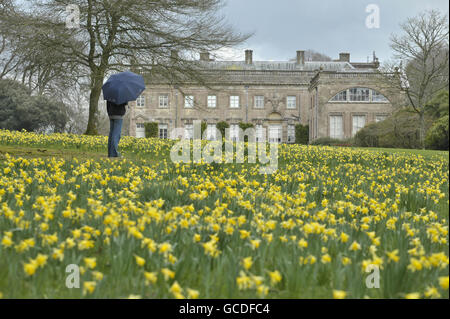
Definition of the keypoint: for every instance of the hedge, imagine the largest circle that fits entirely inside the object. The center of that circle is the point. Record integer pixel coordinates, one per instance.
(437, 136)
(245, 126)
(328, 141)
(221, 126)
(301, 134)
(400, 130)
(151, 129)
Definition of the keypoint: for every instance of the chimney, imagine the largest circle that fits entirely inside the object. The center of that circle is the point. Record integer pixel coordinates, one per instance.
(344, 57)
(248, 57)
(301, 57)
(204, 56)
(375, 61)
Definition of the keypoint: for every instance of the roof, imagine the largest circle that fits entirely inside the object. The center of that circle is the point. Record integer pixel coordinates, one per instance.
(271, 72)
(278, 65)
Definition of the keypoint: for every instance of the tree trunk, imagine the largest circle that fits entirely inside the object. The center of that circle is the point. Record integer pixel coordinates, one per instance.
(96, 89)
(422, 129)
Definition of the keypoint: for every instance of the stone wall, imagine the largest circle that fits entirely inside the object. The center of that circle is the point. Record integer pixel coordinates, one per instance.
(313, 102)
(327, 85)
(176, 115)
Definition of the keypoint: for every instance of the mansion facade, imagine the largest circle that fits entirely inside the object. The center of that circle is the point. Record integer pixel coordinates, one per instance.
(335, 98)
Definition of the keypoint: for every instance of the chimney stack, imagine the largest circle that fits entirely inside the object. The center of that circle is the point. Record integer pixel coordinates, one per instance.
(248, 57)
(301, 57)
(204, 56)
(344, 57)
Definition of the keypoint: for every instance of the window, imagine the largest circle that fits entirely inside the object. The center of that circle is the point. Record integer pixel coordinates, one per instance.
(378, 97)
(358, 122)
(379, 118)
(260, 133)
(336, 128)
(140, 130)
(234, 101)
(162, 128)
(211, 132)
(164, 101)
(359, 94)
(275, 133)
(140, 101)
(341, 96)
(291, 102)
(212, 101)
(259, 101)
(188, 131)
(189, 101)
(291, 134)
(234, 132)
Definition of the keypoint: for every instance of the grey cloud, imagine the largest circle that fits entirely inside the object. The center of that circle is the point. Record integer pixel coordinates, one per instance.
(328, 26)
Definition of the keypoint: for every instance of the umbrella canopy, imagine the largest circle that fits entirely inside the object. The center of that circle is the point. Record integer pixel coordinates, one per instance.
(123, 87)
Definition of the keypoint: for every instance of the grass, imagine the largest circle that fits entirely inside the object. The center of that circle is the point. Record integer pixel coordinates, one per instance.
(40, 152)
(424, 153)
(58, 151)
(62, 201)
(66, 153)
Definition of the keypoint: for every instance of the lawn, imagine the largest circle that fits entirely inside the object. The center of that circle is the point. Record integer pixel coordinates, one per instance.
(143, 226)
(424, 153)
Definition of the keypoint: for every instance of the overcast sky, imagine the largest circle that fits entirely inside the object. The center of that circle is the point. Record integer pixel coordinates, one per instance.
(282, 27)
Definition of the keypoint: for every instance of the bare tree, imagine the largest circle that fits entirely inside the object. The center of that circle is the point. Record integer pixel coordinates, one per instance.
(114, 34)
(8, 57)
(32, 62)
(420, 67)
(311, 55)
(77, 101)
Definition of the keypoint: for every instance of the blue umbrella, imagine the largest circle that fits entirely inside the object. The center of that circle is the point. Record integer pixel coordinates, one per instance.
(123, 87)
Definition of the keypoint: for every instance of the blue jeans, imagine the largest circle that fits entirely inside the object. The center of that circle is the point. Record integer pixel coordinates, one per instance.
(115, 129)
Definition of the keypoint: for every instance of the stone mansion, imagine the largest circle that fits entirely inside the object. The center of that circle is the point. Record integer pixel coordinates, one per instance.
(335, 98)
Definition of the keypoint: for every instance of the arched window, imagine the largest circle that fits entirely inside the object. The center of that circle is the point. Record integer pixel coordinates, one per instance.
(359, 94)
(378, 97)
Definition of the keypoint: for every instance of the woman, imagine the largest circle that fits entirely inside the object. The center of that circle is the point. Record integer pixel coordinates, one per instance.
(115, 113)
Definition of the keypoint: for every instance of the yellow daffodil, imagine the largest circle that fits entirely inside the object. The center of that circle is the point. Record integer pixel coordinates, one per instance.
(139, 261)
(89, 287)
(355, 246)
(443, 282)
(339, 294)
(247, 262)
(90, 262)
(275, 277)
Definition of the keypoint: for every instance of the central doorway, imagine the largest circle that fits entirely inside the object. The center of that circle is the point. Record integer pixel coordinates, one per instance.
(140, 130)
(275, 133)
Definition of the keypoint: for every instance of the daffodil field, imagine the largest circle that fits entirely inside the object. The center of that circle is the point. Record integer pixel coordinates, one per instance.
(142, 226)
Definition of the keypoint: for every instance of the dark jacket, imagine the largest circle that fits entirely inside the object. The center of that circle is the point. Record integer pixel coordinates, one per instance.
(114, 110)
